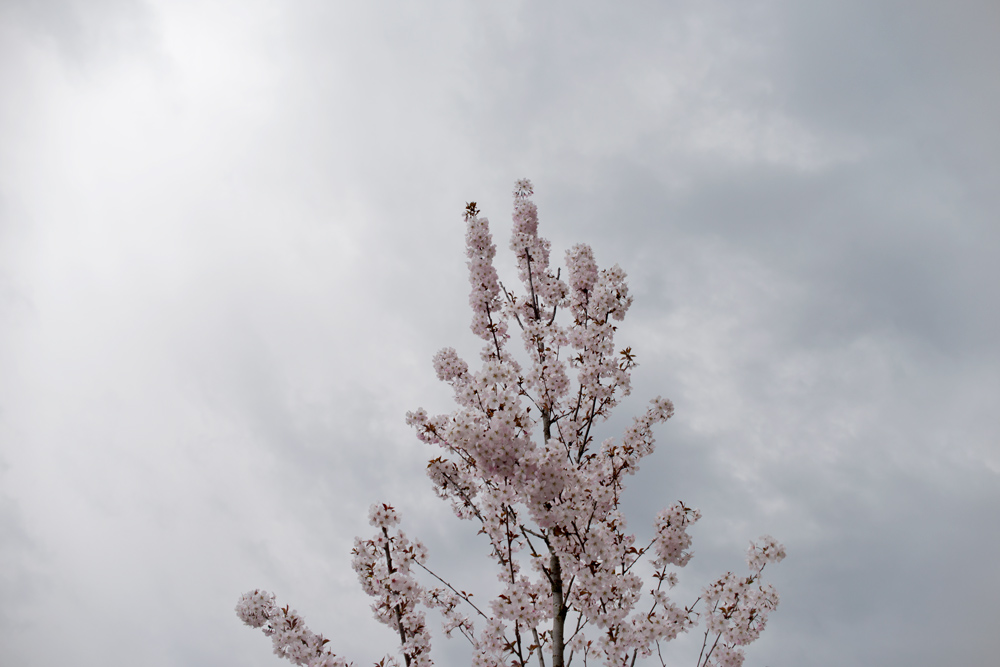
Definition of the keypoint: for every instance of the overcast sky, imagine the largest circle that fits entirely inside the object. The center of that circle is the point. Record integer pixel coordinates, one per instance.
(231, 241)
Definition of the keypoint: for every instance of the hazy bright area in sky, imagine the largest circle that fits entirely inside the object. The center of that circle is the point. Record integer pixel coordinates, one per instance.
(231, 240)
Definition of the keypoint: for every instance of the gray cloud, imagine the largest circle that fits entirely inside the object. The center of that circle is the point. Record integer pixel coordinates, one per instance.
(85, 33)
(230, 240)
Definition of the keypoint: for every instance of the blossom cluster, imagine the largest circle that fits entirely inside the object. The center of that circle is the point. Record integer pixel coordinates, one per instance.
(384, 567)
(520, 457)
(485, 295)
(738, 606)
(672, 537)
(289, 635)
(766, 550)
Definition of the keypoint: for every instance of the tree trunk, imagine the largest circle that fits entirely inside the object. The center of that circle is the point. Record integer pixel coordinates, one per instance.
(558, 611)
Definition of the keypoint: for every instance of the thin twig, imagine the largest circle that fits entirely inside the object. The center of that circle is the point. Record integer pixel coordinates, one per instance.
(454, 590)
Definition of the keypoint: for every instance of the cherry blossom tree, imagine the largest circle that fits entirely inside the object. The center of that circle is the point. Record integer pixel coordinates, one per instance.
(519, 458)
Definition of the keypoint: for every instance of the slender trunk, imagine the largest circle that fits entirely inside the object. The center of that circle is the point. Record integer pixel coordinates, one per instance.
(555, 568)
(558, 611)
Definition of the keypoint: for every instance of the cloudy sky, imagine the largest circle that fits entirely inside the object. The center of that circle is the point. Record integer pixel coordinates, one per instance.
(231, 241)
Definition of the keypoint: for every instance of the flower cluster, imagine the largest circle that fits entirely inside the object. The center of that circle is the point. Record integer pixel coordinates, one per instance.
(738, 606)
(381, 515)
(767, 551)
(449, 366)
(485, 295)
(519, 456)
(671, 534)
(384, 566)
(289, 635)
(532, 253)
